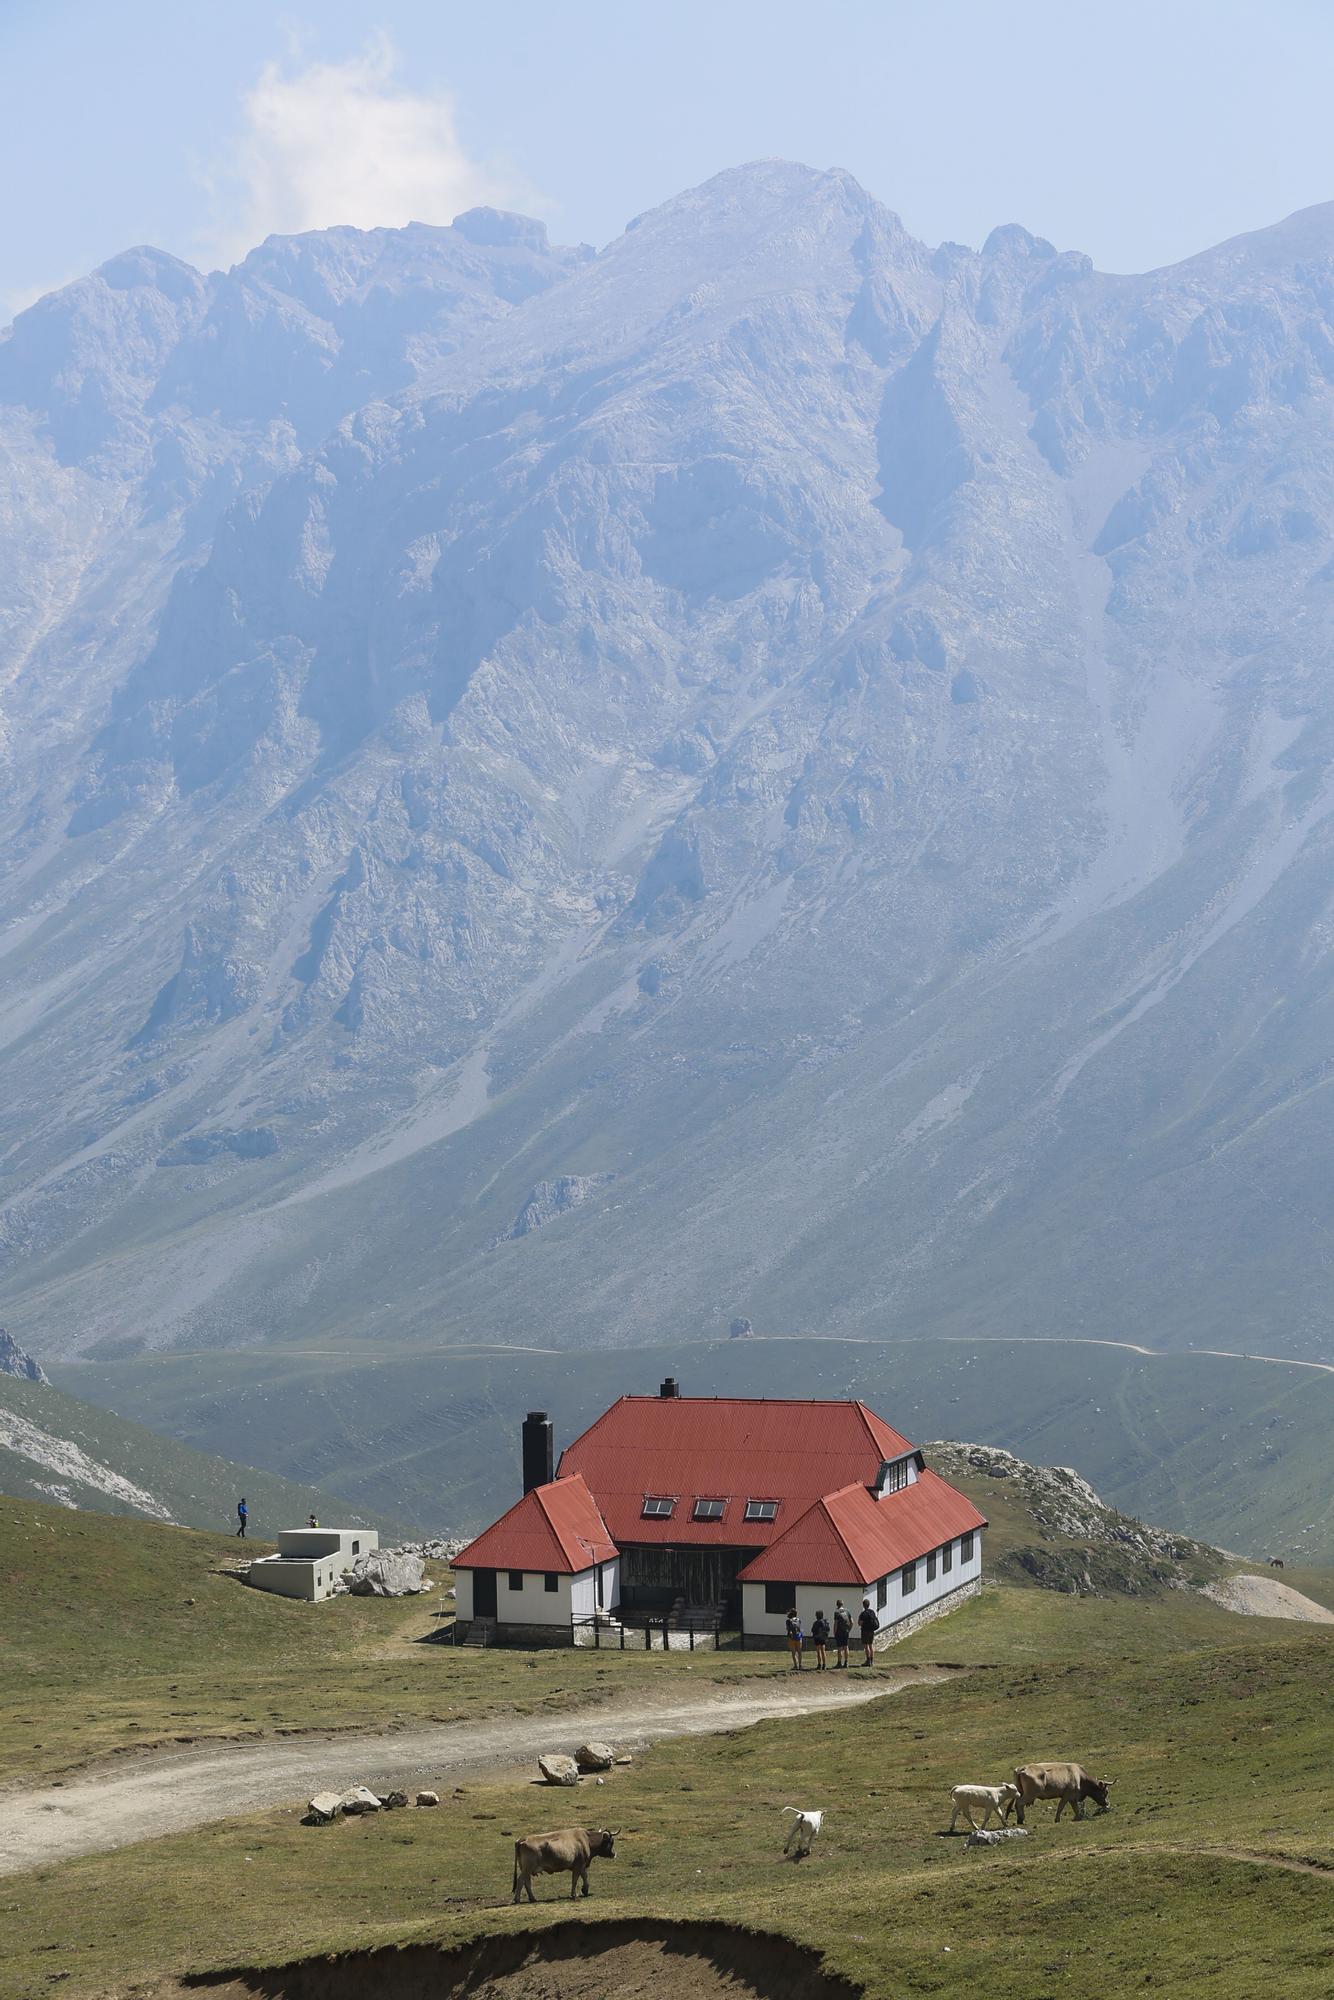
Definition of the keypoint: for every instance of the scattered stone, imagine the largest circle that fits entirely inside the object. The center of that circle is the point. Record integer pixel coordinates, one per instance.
(360, 1800)
(392, 1800)
(626, 1759)
(595, 1756)
(322, 1808)
(558, 1770)
(428, 1798)
(983, 1836)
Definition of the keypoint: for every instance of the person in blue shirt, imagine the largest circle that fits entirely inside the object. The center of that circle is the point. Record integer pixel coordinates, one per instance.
(242, 1516)
(795, 1638)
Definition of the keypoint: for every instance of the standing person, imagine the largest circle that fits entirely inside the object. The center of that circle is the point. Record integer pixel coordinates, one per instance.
(820, 1637)
(842, 1632)
(870, 1625)
(242, 1516)
(795, 1639)
(312, 1522)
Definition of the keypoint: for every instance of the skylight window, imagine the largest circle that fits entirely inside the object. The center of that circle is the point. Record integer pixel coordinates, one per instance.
(761, 1510)
(658, 1507)
(709, 1510)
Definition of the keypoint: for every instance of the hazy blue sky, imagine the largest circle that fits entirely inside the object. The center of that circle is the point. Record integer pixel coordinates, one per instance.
(1138, 132)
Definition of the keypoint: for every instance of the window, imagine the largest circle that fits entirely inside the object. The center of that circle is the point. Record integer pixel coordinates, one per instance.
(356, 1548)
(966, 1547)
(657, 1507)
(931, 1567)
(551, 1581)
(909, 1577)
(761, 1510)
(947, 1557)
(516, 1579)
(893, 1478)
(709, 1510)
(780, 1597)
(882, 1593)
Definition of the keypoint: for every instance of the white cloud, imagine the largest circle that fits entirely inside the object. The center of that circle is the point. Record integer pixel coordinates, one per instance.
(345, 143)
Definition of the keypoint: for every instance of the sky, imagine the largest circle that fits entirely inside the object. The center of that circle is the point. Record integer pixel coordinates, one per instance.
(1137, 132)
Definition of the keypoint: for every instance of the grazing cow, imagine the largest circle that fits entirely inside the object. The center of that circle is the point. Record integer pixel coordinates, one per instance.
(567, 1852)
(985, 1799)
(1068, 1784)
(805, 1825)
(1275, 1562)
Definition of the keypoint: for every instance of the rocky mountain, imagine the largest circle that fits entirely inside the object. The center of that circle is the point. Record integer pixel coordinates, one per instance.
(820, 745)
(1055, 1532)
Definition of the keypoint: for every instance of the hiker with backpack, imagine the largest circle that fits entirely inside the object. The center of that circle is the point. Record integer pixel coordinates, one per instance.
(820, 1638)
(870, 1625)
(842, 1633)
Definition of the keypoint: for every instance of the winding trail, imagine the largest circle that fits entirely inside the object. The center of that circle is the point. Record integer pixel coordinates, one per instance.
(173, 1792)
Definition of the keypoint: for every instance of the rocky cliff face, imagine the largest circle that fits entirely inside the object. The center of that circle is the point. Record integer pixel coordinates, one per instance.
(821, 745)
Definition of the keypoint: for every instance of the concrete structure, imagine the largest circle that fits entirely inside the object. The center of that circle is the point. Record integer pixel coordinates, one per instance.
(729, 1509)
(310, 1561)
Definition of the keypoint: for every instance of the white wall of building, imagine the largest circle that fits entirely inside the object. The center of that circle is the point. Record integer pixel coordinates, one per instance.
(292, 1576)
(812, 1597)
(346, 1543)
(533, 1604)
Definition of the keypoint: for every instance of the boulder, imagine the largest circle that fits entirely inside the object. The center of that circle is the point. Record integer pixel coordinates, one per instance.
(558, 1770)
(322, 1808)
(360, 1800)
(386, 1573)
(595, 1756)
(428, 1798)
(392, 1800)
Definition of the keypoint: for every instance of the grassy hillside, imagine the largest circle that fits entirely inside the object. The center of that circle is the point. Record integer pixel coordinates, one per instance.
(1228, 1449)
(1179, 1888)
(122, 1634)
(55, 1447)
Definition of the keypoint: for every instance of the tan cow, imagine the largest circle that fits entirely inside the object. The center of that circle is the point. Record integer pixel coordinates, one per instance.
(1068, 1784)
(978, 1802)
(568, 1851)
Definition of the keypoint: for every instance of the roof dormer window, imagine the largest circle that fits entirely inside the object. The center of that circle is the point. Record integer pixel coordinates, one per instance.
(658, 1507)
(709, 1510)
(761, 1510)
(894, 1476)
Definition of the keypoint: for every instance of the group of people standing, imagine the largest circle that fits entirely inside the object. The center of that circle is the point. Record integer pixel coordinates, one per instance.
(841, 1633)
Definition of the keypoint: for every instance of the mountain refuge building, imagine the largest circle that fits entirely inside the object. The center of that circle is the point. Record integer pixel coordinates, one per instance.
(696, 1510)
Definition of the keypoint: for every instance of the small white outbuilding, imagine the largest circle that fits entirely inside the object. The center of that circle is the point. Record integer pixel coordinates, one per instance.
(310, 1561)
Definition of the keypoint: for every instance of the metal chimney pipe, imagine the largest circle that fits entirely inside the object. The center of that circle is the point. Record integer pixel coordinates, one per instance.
(538, 1450)
(669, 1387)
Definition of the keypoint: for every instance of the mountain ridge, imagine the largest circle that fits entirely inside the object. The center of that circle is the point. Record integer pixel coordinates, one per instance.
(826, 741)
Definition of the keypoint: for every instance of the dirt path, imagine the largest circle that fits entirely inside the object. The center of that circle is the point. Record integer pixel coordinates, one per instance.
(171, 1792)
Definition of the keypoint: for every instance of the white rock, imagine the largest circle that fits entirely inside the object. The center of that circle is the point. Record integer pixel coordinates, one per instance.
(558, 1770)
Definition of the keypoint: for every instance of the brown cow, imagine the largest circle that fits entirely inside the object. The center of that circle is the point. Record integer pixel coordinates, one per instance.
(569, 1850)
(1068, 1784)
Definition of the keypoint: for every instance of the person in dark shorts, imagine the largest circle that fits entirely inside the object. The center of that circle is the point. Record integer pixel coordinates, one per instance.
(795, 1640)
(842, 1633)
(242, 1516)
(820, 1637)
(870, 1625)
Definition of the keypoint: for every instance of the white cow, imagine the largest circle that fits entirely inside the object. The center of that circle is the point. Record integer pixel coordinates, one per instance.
(984, 1799)
(805, 1825)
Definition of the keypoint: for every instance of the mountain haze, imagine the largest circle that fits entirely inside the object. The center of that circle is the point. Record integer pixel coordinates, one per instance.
(771, 770)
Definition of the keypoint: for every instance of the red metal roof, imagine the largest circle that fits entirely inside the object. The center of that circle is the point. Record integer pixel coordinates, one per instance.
(849, 1537)
(724, 1448)
(554, 1527)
